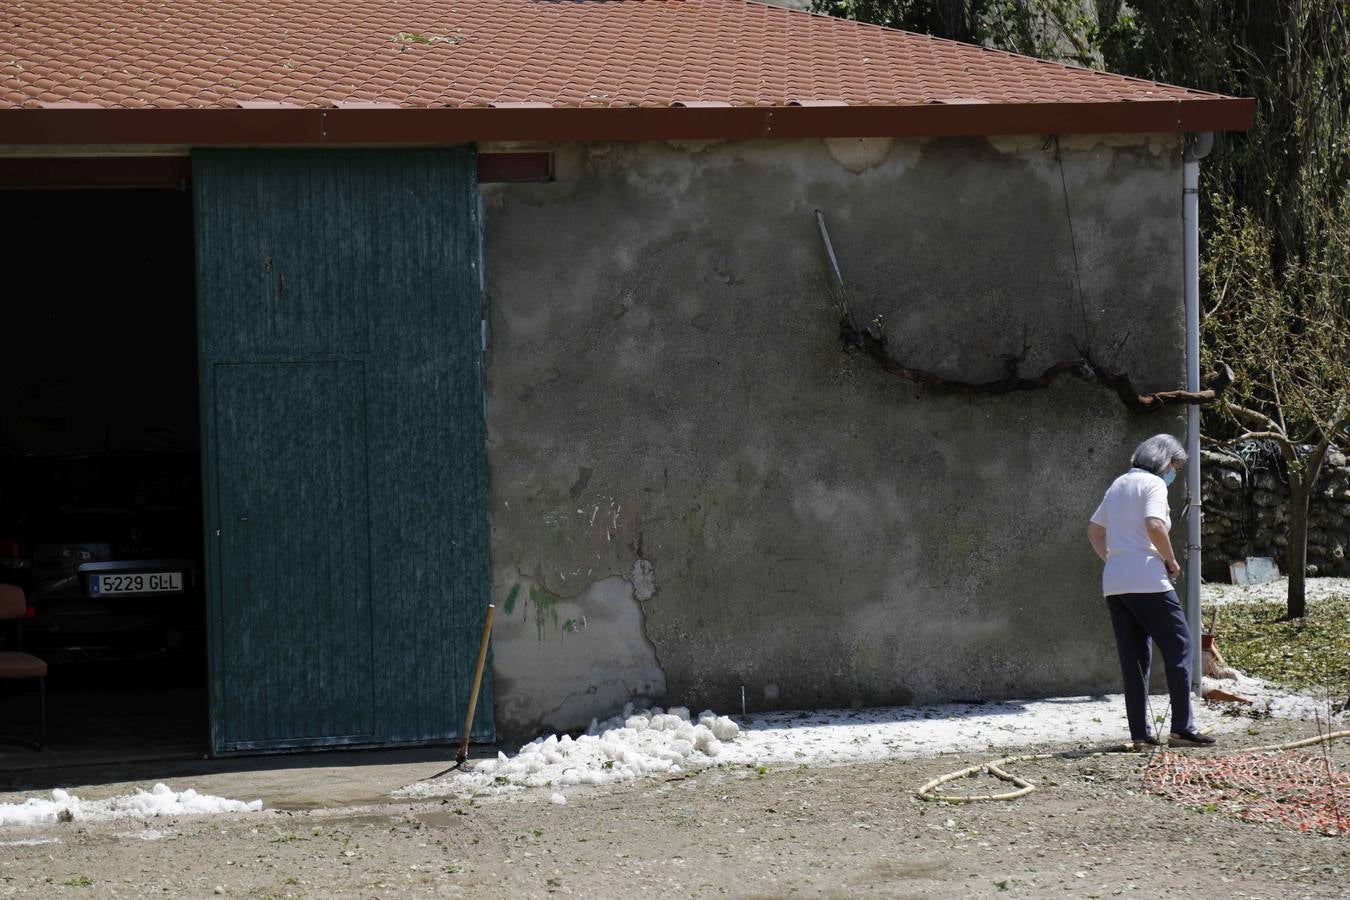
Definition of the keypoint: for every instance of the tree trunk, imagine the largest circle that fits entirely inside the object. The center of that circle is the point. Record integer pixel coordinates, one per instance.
(1108, 13)
(955, 20)
(1298, 546)
(1302, 485)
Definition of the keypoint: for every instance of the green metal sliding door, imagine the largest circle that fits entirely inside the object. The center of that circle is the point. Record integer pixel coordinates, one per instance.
(339, 307)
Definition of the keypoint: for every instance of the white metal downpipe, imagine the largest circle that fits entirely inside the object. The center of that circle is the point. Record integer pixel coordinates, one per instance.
(1196, 149)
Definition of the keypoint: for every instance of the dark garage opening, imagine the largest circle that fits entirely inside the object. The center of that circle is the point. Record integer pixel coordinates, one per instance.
(100, 493)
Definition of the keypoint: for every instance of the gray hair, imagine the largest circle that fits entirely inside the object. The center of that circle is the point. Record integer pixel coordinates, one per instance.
(1158, 453)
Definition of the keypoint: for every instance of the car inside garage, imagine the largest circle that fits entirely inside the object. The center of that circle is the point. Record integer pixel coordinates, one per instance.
(100, 485)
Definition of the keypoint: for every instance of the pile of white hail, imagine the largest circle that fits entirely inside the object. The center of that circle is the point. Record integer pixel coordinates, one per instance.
(631, 745)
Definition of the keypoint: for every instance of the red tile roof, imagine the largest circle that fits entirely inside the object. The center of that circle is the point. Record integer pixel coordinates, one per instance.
(523, 55)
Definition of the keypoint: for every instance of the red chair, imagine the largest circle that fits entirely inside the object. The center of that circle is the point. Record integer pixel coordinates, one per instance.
(16, 665)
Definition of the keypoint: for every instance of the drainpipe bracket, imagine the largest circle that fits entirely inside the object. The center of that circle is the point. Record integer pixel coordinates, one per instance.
(1197, 145)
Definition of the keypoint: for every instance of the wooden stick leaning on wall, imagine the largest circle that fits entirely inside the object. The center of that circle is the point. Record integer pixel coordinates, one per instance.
(477, 683)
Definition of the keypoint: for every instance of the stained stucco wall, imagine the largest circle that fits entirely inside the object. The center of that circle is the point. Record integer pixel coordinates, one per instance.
(694, 489)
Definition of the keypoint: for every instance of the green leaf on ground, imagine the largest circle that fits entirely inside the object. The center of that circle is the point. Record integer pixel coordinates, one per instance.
(1310, 654)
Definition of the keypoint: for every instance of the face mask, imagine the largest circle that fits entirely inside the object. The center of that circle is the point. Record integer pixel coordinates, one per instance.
(1169, 476)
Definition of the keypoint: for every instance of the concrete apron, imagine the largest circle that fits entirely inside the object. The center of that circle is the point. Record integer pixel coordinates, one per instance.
(299, 782)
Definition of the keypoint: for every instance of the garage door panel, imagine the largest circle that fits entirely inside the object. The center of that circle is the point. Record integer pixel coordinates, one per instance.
(438, 556)
(295, 586)
(281, 287)
(324, 276)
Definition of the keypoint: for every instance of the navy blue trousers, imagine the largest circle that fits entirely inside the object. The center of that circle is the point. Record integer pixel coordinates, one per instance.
(1136, 618)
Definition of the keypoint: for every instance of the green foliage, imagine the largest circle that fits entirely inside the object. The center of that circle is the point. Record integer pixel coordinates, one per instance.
(1293, 56)
(1284, 329)
(1311, 653)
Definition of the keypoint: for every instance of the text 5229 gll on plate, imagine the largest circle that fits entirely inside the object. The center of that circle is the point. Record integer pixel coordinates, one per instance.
(137, 583)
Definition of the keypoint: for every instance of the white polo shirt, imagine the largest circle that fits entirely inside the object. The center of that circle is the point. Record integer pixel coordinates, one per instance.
(1133, 565)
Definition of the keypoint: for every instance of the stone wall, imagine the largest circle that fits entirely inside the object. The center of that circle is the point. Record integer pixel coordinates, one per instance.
(1246, 514)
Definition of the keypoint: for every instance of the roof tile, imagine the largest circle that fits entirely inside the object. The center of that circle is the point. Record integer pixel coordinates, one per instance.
(434, 53)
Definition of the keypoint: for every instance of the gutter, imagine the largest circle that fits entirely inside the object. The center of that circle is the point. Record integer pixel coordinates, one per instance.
(1197, 148)
(282, 125)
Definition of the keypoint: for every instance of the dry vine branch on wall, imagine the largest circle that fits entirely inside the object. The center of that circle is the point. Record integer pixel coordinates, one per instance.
(873, 342)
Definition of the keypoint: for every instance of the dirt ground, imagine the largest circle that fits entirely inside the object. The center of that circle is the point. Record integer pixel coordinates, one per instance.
(1089, 830)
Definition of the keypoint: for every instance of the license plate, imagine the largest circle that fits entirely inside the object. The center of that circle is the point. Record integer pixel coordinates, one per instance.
(136, 583)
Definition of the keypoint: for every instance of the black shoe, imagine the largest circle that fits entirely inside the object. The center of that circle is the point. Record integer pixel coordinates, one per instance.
(1189, 739)
(1143, 743)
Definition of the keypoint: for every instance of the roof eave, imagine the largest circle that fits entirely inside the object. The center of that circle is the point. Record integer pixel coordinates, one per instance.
(280, 126)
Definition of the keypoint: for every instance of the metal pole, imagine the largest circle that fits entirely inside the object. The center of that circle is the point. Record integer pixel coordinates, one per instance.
(834, 267)
(1190, 226)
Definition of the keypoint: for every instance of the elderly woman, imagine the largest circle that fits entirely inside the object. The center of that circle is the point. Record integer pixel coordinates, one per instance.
(1129, 531)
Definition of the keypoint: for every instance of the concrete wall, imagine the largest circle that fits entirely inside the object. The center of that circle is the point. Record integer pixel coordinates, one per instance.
(694, 489)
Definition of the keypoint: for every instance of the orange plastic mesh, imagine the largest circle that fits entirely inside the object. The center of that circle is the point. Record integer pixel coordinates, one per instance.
(1301, 791)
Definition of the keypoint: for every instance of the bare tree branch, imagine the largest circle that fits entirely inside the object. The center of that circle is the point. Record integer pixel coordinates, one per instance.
(1279, 407)
(1255, 436)
(1250, 415)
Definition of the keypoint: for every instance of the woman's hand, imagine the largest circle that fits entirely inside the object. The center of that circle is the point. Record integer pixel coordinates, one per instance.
(1157, 533)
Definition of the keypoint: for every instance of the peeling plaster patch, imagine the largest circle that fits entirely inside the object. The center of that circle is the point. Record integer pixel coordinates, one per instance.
(1024, 143)
(559, 662)
(583, 478)
(1157, 144)
(693, 145)
(644, 579)
(860, 154)
(569, 163)
(514, 146)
